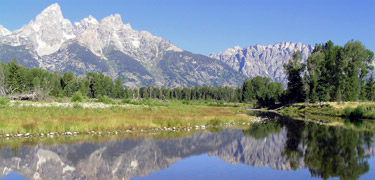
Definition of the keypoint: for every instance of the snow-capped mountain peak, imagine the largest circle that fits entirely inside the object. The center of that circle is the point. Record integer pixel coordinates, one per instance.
(85, 24)
(46, 34)
(112, 47)
(52, 12)
(89, 21)
(115, 21)
(4, 31)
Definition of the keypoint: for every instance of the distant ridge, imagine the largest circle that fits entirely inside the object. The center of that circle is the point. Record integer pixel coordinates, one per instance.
(263, 60)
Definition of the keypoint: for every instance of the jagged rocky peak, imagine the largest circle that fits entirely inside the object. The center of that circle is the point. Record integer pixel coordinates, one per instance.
(51, 30)
(52, 12)
(115, 21)
(4, 31)
(45, 34)
(85, 24)
(263, 60)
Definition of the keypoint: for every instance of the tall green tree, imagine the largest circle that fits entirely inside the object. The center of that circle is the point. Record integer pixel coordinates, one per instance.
(118, 91)
(358, 60)
(14, 82)
(2, 81)
(294, 69)
(370, 88)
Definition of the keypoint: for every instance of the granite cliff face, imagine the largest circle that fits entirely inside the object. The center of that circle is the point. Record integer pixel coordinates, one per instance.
(263, 60)
(111, 47)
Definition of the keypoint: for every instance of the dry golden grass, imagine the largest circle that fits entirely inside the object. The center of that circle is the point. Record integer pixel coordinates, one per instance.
(343, 105)
(23, 119)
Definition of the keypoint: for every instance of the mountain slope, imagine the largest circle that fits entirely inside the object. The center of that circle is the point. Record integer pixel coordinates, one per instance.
(263, 60)
(111, 47)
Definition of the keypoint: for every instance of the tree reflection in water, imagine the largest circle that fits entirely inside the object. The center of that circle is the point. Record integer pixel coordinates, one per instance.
(327, 151)
(281, 144)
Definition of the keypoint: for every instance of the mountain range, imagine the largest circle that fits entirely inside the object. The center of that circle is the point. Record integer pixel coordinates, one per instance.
(111, 47)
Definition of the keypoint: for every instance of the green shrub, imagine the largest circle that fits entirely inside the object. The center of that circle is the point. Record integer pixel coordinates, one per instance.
(354, 114)
(358, 112)
(347, 111)
(126, 101)
(77, 97)
(105, 100)
(4, 101)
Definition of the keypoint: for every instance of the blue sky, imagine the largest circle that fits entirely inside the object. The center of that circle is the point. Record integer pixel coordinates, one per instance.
(206, 26)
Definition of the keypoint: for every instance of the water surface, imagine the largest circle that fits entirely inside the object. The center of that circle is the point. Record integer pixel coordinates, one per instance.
(279, 149)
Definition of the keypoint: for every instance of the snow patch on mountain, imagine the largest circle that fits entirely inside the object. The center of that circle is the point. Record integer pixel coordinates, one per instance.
(46, 34)
(4, 31)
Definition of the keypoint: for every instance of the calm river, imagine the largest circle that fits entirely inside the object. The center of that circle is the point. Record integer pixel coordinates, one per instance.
(278, 149)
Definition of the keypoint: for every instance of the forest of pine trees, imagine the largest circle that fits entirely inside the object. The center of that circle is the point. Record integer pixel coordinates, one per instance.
(17, 79)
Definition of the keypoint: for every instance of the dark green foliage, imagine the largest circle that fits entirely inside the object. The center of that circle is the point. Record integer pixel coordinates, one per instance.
(359, 113)
(261, 131)
(95, 85)
(335, 152)
(118, 90)
(334, 73)
(262, 91)
(14, 79)
(105, 100)
(370, 88)
(294, 69)
(77, 97)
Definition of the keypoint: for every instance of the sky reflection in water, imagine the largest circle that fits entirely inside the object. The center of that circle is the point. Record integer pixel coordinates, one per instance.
(280, 149)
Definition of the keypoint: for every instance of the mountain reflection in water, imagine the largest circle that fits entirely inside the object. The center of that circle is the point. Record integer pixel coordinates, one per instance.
(280, 144)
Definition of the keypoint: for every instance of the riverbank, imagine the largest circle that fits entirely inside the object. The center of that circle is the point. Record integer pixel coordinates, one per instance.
(31, 118)
(354, 115)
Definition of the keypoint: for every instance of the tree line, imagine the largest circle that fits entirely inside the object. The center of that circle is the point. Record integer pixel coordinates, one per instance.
(331, 73)
(17, 79)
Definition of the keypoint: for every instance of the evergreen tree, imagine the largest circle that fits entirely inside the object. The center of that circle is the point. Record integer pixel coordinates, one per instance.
(295, 91)
(13, 77)
(247, 91)
(118, 91)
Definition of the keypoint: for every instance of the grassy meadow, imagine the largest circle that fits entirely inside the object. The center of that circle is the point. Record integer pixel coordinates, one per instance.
(20, 117)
